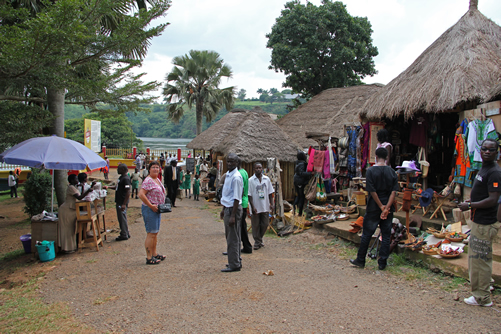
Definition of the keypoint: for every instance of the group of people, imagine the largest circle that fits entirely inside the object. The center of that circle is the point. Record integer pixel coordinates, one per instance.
(485, 206)
(238, 193)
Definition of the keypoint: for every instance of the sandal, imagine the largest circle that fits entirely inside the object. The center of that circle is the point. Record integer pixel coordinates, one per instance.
(152, 261)
(160, 257)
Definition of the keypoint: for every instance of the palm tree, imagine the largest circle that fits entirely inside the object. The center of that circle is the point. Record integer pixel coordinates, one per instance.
(194, 81)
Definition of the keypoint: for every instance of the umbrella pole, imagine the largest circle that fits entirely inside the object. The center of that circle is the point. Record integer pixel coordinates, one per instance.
(52, 196)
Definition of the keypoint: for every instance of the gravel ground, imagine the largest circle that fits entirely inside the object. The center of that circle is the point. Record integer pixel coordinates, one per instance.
(312, 291)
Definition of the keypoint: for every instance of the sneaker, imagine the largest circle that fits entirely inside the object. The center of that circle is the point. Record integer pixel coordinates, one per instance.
(472, 301)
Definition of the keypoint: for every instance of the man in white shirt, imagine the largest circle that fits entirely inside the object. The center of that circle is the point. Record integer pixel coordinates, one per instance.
(12, 184)
(261, 200)
(231, 213)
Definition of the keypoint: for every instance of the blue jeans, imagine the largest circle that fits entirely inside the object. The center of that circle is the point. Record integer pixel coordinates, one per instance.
(371, 222)
(151, 219)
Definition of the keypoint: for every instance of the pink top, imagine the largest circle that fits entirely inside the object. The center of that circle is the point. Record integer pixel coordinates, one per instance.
(155, 191)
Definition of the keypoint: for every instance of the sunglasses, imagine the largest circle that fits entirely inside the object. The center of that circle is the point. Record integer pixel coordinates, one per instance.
(485, 149)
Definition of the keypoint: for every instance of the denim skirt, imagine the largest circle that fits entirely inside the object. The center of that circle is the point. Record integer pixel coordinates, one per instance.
(151, 219)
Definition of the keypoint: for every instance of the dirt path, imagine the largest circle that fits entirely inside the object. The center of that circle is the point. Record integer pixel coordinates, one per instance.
(312, 290)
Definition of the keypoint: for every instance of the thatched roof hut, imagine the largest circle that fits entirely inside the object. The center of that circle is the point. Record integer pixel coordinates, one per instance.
(461, 65)
(253, 135)
(327, 112)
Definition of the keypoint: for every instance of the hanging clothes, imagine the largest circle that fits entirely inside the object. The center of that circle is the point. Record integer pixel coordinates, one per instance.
(478, 131)
(327, 167)
(365, 144)
(359, 151)
(311, 153)
(318, 161)
(419, 127)
(462, 159)
(352, 152)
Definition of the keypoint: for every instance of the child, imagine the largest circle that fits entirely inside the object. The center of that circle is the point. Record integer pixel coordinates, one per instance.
(187, 184)
(135, 182)
(196, 187)
(144, 173)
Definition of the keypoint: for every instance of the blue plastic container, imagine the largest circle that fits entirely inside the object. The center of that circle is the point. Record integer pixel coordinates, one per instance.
(46, 251)
(26, 240)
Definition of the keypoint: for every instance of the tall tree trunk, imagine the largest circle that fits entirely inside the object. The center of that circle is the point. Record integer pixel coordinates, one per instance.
(55, 101)
(199, 114)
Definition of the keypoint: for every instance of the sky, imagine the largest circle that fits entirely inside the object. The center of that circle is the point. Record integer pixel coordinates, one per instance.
(236, 29)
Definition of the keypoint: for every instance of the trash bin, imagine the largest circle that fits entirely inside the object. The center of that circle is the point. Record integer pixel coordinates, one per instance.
(26, 240)
(46, 251)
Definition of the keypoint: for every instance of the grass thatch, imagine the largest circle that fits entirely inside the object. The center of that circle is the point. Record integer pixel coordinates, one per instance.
(464, 64)
(253, 135)
(327, 112)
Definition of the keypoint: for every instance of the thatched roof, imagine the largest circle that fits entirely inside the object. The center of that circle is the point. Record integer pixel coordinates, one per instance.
(253, 135)
(464, 64)
(327, 112)
(217, 131)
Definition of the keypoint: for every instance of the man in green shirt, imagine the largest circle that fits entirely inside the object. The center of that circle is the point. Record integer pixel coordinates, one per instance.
(247, 247)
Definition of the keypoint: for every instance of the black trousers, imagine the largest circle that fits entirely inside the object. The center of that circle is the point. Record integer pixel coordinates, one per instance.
(299, 200)
(371, 222)
(212, 180)
(247, 247)
(13, 191)
(172, 193)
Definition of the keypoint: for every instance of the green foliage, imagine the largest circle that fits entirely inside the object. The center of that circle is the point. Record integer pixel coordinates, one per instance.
(194, 82)
(116, 130)
(21, 122)
(321, 47)
(37, 192)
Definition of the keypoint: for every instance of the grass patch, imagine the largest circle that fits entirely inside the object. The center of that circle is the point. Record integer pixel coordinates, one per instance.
(91, 261)
(204, 207)
(22, 311)
(12, 255)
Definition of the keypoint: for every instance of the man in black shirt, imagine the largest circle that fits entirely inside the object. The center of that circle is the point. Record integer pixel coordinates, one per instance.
(382, 185)
(122, 195)
(484, 196)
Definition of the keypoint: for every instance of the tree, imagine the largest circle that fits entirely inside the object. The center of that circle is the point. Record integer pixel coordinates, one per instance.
(321, 47)
(241, 94)
(76, 51)
(194, 81)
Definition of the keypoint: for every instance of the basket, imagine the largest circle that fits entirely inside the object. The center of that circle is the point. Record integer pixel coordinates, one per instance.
(449, 256)
(430, 251)
(343, 216)
(360, 198)
(463, 236)
(439, 235)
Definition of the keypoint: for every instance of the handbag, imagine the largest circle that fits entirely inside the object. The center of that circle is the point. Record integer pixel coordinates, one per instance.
(310, 191)
(425, 165)
(166, 207)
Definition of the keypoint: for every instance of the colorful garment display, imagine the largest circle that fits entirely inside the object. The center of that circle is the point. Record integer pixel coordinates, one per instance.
(462, 159)
(478, 131)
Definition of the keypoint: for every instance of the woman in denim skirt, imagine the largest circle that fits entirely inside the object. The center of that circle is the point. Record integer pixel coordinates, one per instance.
(152, 194)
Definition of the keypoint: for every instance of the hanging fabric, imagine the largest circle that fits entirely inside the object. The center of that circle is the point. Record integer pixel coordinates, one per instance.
(425, 165)
(332, 163)
(311, 153)
(318, 161)
(478, 131)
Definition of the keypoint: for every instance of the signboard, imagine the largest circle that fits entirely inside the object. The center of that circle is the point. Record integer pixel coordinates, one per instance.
(190, 164)
(92, 135)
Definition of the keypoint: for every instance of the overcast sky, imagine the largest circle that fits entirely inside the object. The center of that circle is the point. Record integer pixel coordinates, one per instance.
(236, 29)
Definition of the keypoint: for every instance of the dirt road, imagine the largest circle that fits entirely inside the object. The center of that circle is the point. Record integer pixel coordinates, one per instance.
(312, 291)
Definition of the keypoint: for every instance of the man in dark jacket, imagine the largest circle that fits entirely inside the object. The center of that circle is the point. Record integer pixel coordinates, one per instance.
(171, 181)
(301, 179)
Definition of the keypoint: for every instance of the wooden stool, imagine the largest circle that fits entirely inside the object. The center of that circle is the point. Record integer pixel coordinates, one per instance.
(83, 240)
(86, 215)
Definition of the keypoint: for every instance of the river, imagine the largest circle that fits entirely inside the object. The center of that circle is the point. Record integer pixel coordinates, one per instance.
(166, 144)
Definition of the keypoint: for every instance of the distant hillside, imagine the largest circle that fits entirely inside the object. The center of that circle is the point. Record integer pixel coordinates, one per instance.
(156, 124)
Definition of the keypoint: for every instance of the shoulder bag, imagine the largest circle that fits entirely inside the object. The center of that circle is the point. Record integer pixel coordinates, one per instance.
(166, 207)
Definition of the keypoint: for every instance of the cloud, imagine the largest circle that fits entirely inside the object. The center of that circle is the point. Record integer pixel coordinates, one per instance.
(236, 29)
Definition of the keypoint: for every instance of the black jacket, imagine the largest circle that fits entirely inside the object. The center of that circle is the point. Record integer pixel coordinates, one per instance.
(301, 176)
